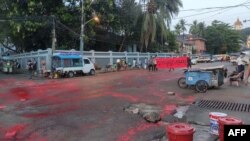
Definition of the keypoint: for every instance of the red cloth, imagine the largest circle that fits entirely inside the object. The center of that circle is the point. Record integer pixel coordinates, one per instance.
(178, 62)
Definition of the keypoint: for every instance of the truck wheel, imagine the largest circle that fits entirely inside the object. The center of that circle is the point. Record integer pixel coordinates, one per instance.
(71, 74)
(201, 86)
(92, 72)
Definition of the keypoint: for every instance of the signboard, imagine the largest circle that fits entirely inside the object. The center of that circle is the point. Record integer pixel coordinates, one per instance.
(178, 62)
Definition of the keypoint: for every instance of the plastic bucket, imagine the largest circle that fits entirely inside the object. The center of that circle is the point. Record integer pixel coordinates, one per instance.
(227, 121)
(214, 124)
(180, 132)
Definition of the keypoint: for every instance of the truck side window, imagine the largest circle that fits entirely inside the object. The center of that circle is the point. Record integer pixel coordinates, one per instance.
(77, 62)
(86, 61)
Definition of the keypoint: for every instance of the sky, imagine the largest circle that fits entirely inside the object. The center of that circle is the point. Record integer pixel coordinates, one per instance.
(228, 15)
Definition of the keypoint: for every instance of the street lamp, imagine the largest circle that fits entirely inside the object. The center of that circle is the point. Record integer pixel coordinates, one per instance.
(83, 26)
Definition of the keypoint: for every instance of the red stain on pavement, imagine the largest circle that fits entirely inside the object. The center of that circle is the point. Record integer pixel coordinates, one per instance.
(36, 137)
(130, 134)
(53, 112)
(2, 107)
(37, 115)
(20, 93)
(124, 96)
(168, 109)
(14, 130)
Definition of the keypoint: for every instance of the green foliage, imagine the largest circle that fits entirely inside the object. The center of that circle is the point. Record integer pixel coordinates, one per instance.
(197, 29)
(165, 10)
(221, 38)
(244, 34)
(28, 23)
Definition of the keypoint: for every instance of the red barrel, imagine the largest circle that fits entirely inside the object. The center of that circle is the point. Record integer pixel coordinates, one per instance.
(180, 132)
(227, 121)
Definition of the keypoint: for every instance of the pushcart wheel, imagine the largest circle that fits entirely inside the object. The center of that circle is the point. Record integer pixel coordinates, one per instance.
(201, 86)
(182, 82)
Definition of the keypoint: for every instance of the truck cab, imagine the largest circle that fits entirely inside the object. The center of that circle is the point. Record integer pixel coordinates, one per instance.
(72, 64)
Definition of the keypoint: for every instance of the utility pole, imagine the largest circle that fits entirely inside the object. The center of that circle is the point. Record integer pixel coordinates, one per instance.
(53, 35)
(82, 30)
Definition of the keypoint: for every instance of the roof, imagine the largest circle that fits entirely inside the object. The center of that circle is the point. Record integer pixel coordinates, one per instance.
(67, 56)
(213, 68)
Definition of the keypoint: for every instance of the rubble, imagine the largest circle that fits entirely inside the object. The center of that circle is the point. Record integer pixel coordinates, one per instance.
(150, 113)
(171, 93)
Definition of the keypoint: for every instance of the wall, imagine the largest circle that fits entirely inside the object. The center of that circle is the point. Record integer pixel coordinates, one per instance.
(100, 58)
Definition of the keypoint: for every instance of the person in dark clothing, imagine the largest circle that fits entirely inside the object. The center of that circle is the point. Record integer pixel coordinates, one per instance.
(155, 64)
(150, 64)
(189, 63)
(30, 68)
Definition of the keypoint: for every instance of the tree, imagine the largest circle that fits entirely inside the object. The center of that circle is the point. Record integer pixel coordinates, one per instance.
(157, 12)
(183, 26)
(221, 38)
(30, 22)
(129, 14)
(244, 34)
(201, 29)
(197, 29)
(178, 29)
(194, 28)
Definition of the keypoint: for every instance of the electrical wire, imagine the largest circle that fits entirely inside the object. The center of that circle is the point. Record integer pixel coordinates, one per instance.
(221, 7)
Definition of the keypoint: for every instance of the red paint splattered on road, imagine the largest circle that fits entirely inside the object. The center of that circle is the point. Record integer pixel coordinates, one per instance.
(20, 93)
(124, 96)
(36, 137)
(168, 109)
(129, 135)
(14, 130)
(2, 107)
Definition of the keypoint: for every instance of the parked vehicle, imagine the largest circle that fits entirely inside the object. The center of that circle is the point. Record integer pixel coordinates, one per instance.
(202, 79)
(70, 65)
(204, 59)
(233, 60)
(6, 65)
(222, 57)
(194, 60)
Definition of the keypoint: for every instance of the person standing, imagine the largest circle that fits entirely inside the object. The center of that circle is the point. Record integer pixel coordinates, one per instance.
(150, 64)
(189, 62)
(30, 68)
(171, 68)
(240, 64)
(145, 63)
(154, 64)
(34, 67)
(246, 61)
(134, 63)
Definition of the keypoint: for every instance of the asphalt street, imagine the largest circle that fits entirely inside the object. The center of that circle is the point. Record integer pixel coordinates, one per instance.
(90, 108)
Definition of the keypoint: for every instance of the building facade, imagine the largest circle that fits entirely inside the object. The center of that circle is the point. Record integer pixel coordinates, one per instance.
(238, 25)
(248, 42)
(191, 45)
(199, 44)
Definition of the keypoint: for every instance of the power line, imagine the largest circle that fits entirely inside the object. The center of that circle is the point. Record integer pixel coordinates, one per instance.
(221, 7)
(203, 13)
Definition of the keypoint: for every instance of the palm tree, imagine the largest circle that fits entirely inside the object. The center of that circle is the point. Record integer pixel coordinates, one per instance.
(183, 26)
(194, 29)
(158, 11)
(201, 29)
(178, 29)
(182, 29)
(197, 29)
